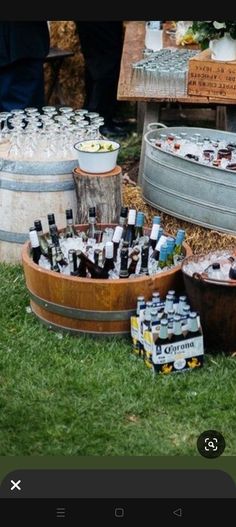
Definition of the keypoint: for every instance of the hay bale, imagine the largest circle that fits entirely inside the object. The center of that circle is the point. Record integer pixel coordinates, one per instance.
(64, 35)
(200, 239)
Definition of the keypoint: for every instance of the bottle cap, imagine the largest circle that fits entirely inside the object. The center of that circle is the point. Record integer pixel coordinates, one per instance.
(131, 216)
(69, 214)
(193, 314)
(139, 219)
(164, 322)
(33, 237)
(51, 219)
(124, 212)
(92, 212)
(117, 234)
(156, 220)
(154, 231)
(109, 250)
(216, 265)
(38, 225)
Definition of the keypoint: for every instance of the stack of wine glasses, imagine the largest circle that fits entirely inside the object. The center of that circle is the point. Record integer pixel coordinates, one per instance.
(162, 73)
(47, 136)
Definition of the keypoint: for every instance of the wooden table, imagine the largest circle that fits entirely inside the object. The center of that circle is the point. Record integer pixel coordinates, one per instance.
(133, 52)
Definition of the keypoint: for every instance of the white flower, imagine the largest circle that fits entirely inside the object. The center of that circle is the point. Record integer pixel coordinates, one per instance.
(219, 25)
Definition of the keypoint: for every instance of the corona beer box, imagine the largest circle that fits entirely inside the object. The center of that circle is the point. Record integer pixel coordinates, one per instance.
(211, 78)
(183, 355)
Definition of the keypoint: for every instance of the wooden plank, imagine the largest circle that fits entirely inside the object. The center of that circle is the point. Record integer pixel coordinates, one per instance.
(211, 78)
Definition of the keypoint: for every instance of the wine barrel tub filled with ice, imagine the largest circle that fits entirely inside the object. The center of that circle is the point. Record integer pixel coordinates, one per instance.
(190, 173)
(100, 305)
(210, 283)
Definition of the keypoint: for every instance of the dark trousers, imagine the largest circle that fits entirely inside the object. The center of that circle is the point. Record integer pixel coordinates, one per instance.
(101, 45)
(22, 84)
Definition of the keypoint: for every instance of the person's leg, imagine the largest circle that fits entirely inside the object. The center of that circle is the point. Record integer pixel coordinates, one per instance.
(22, 84)
(101, 45)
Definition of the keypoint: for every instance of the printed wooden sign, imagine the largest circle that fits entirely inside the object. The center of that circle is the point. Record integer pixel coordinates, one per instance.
(211, 78)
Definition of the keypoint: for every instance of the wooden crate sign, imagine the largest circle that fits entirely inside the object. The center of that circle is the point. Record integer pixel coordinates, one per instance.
(211, 78)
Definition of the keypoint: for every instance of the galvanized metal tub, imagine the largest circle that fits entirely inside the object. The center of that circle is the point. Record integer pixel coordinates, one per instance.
(29, 191)
(187, 189)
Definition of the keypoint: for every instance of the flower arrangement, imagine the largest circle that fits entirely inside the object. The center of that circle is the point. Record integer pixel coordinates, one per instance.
(206, 30)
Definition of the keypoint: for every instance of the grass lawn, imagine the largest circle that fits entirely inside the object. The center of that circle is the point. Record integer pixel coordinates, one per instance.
(69, 395)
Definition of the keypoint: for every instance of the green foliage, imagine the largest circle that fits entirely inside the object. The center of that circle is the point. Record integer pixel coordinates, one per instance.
(206, 30)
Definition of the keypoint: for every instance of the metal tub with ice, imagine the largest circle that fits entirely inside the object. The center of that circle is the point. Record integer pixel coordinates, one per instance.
(187, 189)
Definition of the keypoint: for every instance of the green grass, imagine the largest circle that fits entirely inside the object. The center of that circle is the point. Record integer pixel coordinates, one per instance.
(69, 395)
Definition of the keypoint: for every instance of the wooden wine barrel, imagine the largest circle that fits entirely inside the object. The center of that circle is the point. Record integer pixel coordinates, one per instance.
(29, 191)
(84, 305)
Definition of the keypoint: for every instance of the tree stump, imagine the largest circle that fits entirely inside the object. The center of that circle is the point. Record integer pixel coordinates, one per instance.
(103, 191)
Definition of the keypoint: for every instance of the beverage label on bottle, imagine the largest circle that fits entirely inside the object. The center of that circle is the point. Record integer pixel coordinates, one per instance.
(134, 327)
(160, 242)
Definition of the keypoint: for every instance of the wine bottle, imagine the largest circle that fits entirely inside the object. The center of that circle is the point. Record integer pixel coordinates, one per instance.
(116, 240)
(109, 261)
(134, 260)
(130, 230)
(53, 258)
(70, 231)
(144, 259)
(35, 245)
(124, 256)
(72, 257)
(95, 270)
(42, 238)
(139, 223)
(123, 219)
(154, 235)
(92, 222)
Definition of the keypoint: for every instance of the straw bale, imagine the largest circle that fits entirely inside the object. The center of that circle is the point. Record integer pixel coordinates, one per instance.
(200, 239)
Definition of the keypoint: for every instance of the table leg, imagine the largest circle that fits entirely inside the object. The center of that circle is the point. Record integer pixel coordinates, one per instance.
(231, 118)
(151, 115)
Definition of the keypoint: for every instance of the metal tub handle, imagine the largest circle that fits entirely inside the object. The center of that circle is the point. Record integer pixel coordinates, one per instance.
(153, 126)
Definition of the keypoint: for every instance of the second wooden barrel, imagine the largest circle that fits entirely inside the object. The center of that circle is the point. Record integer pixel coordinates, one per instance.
(84, 305)
(29, 191)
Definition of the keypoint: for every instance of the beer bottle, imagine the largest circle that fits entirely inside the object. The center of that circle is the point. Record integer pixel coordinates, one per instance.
(70, 231)
(181, 304)
(147, 317)
(124, 256)
(155, 298)
(130, 230)
(193, 329)
(169, 303)
(42, 238)
(177, 329)
(91, 222)
(163, 337)
(35, 245)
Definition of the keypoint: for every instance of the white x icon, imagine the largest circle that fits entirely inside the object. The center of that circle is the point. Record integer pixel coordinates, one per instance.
(15, 484)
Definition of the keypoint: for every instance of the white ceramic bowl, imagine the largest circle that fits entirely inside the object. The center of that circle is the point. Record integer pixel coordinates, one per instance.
(92, 158)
